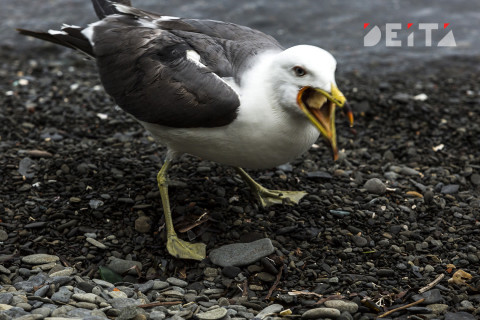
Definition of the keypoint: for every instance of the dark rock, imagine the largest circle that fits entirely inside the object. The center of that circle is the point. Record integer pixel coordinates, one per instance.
(450, 189)
(359, 241)
(459, 316)
(319, 175)
(375, 186)
(431, 297)
(231, 271)
(241, 254)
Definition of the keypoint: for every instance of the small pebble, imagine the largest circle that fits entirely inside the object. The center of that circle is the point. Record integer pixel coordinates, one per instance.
(375, 186)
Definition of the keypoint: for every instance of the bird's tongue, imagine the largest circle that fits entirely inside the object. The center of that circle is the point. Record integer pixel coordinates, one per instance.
(323, 115)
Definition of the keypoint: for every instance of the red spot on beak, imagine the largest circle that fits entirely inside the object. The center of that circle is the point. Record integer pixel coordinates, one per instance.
(445, 25)
(409, 25)
(365, 25)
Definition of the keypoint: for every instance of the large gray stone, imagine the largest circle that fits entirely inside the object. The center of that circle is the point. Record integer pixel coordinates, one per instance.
(121, 266)
(241, 254)
(62, 296)
(40, 258)
(431, 297)
(342, 305)
(321, 313)
(214, 314)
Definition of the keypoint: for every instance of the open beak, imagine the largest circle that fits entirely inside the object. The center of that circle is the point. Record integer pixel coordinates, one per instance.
(319, 106)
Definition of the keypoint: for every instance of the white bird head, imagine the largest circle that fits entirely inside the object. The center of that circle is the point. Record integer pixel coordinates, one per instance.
(303, 80)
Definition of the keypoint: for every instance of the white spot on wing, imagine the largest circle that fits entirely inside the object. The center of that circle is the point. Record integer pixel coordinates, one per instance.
(194, 57)
(147, 24)
(123, 8)
(167, 18)
(70, 26)
(88, 33)
(54, 32)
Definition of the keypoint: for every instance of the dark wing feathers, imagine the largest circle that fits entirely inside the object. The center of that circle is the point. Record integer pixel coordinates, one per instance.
(143, 64)
(147, 73)
(70, 38)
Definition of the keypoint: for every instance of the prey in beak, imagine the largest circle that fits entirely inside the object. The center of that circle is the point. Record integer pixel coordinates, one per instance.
(319, 106)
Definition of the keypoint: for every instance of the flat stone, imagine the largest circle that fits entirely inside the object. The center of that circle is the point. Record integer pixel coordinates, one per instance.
(159, 285)
(409, 171)
(177, 282)
(214, 314)
(241, 254)
(416, 310)
(96, 243)
(44, 311)
(30, 317)
(157, 315)
(342, 305)
(59, 280)
(317, 313)
(103, 283)
(31, 283)
(3, 235)
(133, 313)
(385, 272)
(87, 297)
(62, 295)
(4, 306)
(40, 258)
(271, 309)
(85, 313)
(86, 305)
(319, 175)
(25, 306)
(121, 266)
(431, 297)
(173, 293)
(6, 298)
(145, 287)
(61, 273)
(61, 311)
(42, 292)
(459, 316)
(438, 308)
(117, 294)
(450, 189)
(4, 270)
(45, 266)
(120, 303)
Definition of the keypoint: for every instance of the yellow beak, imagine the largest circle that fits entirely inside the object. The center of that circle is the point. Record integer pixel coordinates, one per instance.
(319, 106)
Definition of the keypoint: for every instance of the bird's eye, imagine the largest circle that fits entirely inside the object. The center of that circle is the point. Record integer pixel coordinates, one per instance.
(299, 71)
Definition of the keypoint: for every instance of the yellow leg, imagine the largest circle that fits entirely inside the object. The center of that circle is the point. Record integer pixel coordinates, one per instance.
(175, 246)
(270, 197)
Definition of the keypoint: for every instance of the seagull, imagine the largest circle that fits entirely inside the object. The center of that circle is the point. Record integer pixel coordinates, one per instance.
(216, 90)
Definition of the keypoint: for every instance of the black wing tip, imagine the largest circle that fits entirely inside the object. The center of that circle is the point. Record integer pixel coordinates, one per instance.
(25, 32)
(105, 8)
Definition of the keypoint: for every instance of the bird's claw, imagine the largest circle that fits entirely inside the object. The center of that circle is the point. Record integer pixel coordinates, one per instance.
(185, 250)
(270, 197)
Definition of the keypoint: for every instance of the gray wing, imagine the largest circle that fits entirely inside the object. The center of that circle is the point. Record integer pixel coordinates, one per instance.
(143, 64)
